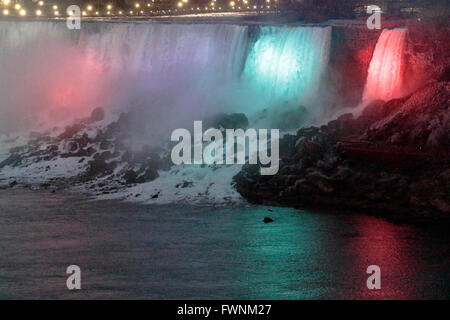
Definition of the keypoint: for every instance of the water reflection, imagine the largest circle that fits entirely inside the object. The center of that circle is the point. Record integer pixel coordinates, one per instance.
(130, 251)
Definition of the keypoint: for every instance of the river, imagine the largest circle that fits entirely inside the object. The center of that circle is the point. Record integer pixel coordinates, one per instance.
(131, 251)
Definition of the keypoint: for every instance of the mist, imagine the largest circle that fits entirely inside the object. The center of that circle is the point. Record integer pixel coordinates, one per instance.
(169, 74)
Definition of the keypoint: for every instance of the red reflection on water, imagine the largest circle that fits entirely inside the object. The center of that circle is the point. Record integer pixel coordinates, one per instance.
(385, 245)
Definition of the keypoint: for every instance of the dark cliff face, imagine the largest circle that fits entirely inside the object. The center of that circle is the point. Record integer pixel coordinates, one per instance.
(427, 56)
(427, 52)
(351, 50)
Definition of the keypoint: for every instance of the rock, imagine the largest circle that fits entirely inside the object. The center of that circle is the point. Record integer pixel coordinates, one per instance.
(228, 121)
(379, 109)
(306, 148)
(185, 184)
(13, 160)
(441, 205)
(105, 145)
(268, 220)
(72, 146)
(70, 131)
(83, 140)
(308, 132)
(342, 173)
(90, 151)
(156, 195)
(302, 186)
(342, 125)
(98, 114)
(99, 167)
(52, 148)
(439, 138)
(105, 155)
(373, 110)
(421, 120)
(149, 174)
(397, 138)
(130, 176)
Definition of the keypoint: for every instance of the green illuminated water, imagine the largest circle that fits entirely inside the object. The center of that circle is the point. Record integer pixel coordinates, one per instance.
(286, 64)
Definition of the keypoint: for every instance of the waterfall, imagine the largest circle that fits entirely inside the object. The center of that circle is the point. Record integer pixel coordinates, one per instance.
(49, 70)
(287, 63)
(173, 72)
(385, 75)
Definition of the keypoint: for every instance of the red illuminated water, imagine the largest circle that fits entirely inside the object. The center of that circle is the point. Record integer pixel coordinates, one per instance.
(385, 75)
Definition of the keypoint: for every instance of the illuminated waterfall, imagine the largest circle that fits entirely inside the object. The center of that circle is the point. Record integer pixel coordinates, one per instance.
(286, 63)
(48, 69)
(385, 76)
(174, 71)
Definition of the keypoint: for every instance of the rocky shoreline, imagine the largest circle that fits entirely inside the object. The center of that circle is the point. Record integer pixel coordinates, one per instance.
(392, 161)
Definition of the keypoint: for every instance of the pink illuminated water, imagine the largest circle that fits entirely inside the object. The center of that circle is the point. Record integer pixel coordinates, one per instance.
(385, 75)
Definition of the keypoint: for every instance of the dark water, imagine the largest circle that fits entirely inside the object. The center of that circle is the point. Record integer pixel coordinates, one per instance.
(130, 251)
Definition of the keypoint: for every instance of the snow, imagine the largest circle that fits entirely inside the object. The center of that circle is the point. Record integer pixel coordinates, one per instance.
(192, 184)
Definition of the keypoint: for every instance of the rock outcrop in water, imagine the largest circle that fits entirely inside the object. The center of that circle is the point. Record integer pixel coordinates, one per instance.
(391, 161)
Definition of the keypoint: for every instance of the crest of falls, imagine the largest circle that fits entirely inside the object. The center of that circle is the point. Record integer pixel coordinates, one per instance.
(385, 75)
